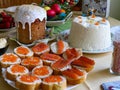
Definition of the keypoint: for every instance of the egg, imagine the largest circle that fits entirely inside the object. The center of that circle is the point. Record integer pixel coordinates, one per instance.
(56, 8)
(47, 8)
(51, 13)
(62, 15)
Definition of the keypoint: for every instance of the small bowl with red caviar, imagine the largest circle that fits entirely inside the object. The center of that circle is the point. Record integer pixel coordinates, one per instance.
(3, 45)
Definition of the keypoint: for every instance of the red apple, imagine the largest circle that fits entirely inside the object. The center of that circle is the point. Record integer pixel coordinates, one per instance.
(56, 8)
(51, 13)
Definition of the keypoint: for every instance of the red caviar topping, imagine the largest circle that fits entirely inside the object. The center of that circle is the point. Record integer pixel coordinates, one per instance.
(31, 61)
(22, 50)
(9, 58)
(53, 78)
(18, 68)
(41, 71)
(28, 78)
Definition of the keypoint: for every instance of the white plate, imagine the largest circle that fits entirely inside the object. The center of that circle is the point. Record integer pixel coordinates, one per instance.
(12, 83)
(64, 36)
(9, 29)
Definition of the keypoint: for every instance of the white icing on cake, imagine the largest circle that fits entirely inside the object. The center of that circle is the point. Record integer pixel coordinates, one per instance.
(90, 33)
(28, 14)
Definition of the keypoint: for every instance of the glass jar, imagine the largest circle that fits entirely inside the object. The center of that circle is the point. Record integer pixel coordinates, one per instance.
(115, 65)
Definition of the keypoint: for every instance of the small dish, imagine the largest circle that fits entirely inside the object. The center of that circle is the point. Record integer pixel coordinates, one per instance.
(4, 48)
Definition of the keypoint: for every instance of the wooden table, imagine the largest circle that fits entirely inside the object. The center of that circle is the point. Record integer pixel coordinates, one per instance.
(95, 78)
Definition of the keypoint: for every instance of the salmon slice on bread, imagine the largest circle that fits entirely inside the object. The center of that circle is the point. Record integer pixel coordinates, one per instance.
(40, 48)
(49, 58)
(59, 47)
(84, 63)
(74, 76)
(72, 54)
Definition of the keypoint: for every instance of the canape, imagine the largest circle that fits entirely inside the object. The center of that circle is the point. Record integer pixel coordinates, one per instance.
(40, 48)
(31, 62)
(54, 82)
(28, 82)
(49, 58)
(23, 51)
(60, 66)
(72, 53)
(84, 63)
(8, 59)
(75, 76)
(15, 70)
(42, 71)
(59, 47)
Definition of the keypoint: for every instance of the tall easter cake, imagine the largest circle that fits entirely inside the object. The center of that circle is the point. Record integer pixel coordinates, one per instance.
(90, 33)
(30, 23)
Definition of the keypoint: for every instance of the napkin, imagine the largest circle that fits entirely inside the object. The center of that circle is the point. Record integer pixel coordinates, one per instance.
(62, 27)
(115, 85)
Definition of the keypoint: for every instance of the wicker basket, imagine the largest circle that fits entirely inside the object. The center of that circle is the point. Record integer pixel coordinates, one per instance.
(8, 3)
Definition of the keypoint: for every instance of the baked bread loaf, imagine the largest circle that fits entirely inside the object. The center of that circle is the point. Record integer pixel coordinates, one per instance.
(54, 82)
(42, 71)
(31, 62)
(8, 59)
(16, 70)
(30, 22)
(23, 51)
(28, 82)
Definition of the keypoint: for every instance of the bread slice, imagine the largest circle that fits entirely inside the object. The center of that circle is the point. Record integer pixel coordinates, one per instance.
(23, 51)
(84, 63)
(75, 76)
(8, 59)
(42, 71)
(15, 70)
(72, 54)
(28, 82)
(31, 62)
(59, 47)
(49, 58)
(60, 66)
(54, 82)
(40, 48)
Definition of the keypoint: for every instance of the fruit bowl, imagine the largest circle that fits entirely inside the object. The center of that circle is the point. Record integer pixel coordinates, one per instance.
(59, 22)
